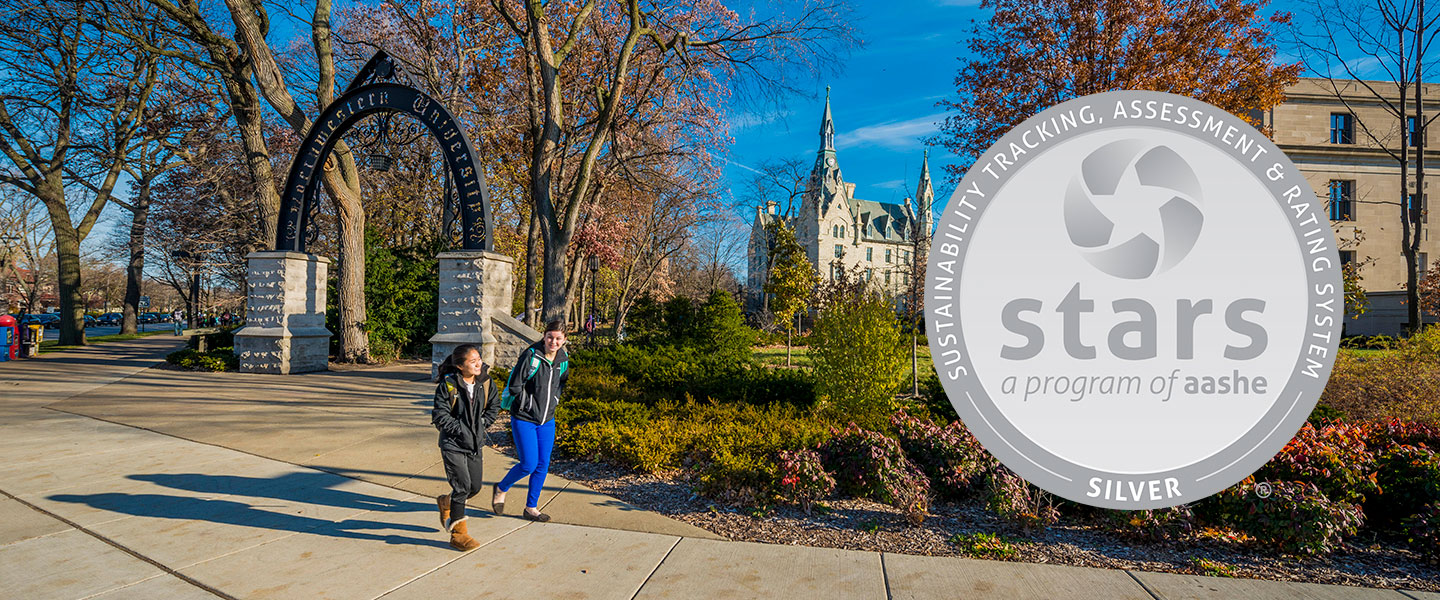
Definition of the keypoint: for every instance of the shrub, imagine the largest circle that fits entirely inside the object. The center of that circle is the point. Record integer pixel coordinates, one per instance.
(858, 354)
(1402, 382)
(984, 545)
(401, 292)
(729, 446)
(1423, 532)
(1160, 525)
(1409, 478)
(219, 359)
(1296, 518)
(870, 465)
(633, 373)
(1382, 434)
(1333, 457)
(803, 478)
(1016, 501)
(950, 456)
(937, 403)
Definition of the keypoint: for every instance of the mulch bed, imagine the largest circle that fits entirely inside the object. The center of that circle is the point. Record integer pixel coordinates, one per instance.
(870, 526)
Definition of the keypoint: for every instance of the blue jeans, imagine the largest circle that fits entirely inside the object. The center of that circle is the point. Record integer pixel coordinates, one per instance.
(533, 444)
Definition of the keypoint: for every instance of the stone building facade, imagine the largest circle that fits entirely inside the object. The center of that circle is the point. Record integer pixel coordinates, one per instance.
(1342, 138)
(840, 231)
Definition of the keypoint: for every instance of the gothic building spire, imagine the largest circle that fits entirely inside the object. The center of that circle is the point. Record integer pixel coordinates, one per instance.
(827, 127)
(924, 197)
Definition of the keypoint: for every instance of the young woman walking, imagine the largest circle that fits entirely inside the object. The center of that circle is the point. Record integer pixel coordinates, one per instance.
(531, 395)
(465, 405)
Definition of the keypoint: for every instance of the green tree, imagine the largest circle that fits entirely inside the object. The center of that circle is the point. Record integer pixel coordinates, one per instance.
(858, 350)
(720, 328)
(792, 278)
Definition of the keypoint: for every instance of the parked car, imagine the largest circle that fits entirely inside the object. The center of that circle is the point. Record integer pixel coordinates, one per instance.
(110, 318)
(91, 321)
(149, 317)
(50, 319)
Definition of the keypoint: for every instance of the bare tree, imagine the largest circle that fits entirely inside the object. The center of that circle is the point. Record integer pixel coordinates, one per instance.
(630, 46)
(1392, 38)
(780, 182)
(27, 246)
(65, 87)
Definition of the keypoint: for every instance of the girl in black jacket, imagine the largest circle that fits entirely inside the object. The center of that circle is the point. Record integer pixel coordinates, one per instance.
(465, 405)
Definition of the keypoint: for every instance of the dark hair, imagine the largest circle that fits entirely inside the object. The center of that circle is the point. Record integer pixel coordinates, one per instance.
(555, 326)
(451, 364)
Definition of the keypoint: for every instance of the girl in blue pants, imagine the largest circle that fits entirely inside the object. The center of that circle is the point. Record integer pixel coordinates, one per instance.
(531, 395)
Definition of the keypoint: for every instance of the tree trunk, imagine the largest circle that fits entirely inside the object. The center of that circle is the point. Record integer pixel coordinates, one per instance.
(788, 332)
(72, 319)
(135, 270)
(914, 362)
(245, 105)
(350, 282)
(533, 260)
(1412, 295)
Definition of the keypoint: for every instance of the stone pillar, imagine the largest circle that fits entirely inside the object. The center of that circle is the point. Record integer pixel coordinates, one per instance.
(284, 329)
(475, 288)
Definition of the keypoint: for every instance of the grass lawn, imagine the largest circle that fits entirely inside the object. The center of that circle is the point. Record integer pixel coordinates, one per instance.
(1363, 353)
(54, 345)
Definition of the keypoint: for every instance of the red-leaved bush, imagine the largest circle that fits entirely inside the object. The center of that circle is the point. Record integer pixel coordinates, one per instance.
(953, 459)
(870, 465)
(1334, 457)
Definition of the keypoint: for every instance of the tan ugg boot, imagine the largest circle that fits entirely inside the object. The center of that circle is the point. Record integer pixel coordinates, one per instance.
(443, 501)
(460, 538)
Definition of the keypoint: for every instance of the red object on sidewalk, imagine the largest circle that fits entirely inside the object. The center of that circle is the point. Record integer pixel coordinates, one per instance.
(12, 339)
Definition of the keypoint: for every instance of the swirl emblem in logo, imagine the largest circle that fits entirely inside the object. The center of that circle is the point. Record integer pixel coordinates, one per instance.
(1120, 175)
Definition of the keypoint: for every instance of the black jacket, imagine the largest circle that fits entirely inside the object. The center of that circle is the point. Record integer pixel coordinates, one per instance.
(535, 384)
(461, 422)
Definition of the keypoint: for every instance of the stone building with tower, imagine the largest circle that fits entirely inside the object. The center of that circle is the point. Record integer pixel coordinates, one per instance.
(1342, 138)
(840, 231)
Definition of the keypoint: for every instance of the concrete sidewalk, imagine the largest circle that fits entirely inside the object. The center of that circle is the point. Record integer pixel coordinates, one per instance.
(118, 481)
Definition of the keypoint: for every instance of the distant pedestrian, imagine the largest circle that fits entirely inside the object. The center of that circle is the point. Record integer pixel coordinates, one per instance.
(178, 322)
(465, 405)
(531, 395)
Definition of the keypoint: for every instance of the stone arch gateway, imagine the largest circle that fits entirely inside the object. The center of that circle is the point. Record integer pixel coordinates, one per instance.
(285, 305)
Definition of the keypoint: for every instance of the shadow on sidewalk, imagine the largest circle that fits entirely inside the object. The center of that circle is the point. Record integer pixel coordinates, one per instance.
(308, 487)
(305, 488)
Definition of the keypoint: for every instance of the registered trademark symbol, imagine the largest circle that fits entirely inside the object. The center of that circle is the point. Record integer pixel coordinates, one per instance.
(1262, 489)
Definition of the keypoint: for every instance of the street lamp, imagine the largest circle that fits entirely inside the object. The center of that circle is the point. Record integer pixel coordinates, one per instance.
(594, 268)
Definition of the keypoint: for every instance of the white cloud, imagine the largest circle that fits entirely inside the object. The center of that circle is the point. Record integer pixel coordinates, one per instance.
(746, 120)
(895, 135)
(893, 184)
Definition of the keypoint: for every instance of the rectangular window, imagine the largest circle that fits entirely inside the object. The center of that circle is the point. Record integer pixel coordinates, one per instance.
(1342, 128)
(1417, 209)
(1347, 257)
(839, 251)
(905, 277)
(869, 274)
(887, 255)
(1422, 263)
(1413, 136)
(1342, 199)
(870, 254)
(887, 278)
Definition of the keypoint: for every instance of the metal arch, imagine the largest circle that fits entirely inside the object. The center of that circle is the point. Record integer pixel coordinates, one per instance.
(359, 101)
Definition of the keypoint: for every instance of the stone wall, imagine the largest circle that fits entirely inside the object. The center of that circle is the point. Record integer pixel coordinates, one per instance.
(284, 314)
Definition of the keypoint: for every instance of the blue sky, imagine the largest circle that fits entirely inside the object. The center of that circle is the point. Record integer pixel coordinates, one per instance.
(883, 101)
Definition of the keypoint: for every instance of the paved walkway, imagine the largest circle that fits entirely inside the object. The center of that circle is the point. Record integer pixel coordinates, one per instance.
(120, 481)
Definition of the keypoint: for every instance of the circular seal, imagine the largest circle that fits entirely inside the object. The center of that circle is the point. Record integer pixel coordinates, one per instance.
(1133, 299)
